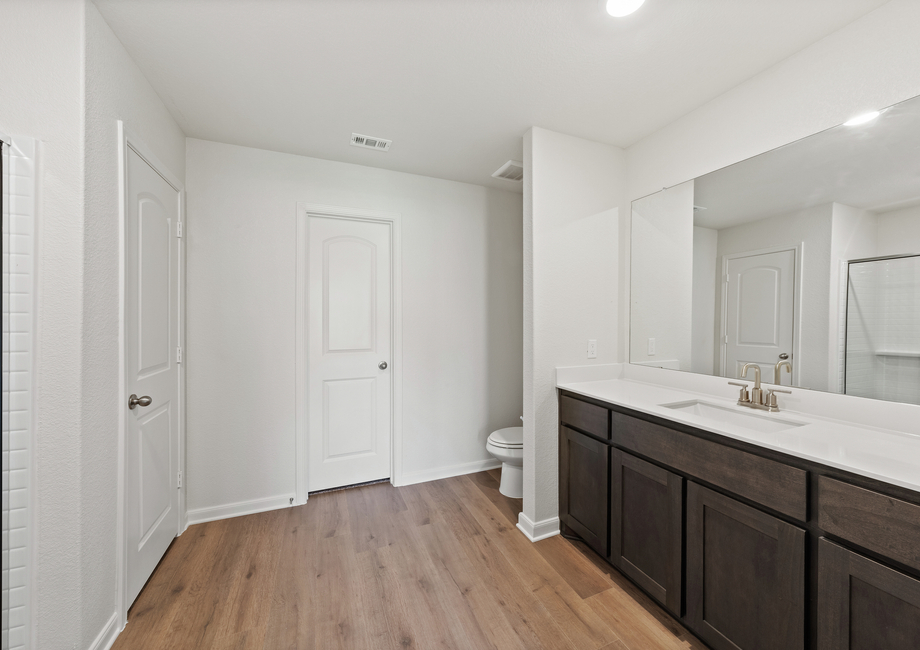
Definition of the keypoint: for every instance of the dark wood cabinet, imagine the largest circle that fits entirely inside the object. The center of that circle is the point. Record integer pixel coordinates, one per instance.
(864, 605)
(583, 473)
(709, 526)
(745, 574)
(646, 513)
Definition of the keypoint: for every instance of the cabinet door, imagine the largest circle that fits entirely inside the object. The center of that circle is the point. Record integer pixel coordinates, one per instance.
(863, 605)
(583, 472)
(745, 575)
(646, 504)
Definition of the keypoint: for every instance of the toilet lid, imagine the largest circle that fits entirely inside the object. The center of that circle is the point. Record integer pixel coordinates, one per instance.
(510, 438)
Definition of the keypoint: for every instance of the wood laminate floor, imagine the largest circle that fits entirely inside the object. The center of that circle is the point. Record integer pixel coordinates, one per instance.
(434, 565)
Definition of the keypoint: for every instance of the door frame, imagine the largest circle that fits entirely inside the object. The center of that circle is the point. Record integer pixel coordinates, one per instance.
(302, 334)
(797, 285)
(126, 139)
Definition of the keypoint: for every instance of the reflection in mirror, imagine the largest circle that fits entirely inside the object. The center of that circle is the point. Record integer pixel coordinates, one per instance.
(803, 260)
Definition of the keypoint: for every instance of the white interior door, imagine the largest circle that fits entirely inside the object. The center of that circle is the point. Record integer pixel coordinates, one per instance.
(760, 313)
(151, 340)
(349, 271)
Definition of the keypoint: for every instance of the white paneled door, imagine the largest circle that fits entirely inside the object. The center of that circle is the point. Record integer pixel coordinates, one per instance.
(760, 314)
(152, 372)
(349, 317)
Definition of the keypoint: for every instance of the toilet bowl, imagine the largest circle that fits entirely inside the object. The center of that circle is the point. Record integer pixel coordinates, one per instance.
(507, 445)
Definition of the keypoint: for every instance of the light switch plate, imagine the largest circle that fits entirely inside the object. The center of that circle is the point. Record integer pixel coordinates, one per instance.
(651, 347)
(592, 348)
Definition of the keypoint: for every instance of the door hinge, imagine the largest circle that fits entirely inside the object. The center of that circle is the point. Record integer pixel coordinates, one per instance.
(179, 229)
(178, 355)
(726, 339)
(180, 480)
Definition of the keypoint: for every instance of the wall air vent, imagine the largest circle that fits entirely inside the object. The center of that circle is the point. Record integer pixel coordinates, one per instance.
(370, 142)
(511, 171)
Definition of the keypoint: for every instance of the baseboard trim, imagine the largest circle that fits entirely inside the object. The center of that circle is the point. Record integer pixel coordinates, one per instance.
(107, 635)
(411, 478)
(539, 530)
(229, 510)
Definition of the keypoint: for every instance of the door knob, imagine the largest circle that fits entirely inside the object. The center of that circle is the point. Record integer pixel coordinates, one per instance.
(784, 356)
(134, 401)
(382, 365)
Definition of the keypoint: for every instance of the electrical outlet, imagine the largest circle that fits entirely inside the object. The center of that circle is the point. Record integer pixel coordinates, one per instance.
(592, 348)
(651, 347)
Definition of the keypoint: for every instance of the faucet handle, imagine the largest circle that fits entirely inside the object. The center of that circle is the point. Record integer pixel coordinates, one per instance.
(771, 398)
(743, 396)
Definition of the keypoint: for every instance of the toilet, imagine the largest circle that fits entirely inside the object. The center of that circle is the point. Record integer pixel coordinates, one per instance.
(507, 445)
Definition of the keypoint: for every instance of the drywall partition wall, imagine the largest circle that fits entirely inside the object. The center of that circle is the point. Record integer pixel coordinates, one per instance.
(703, 330)
(811, 227)
(572, 191)
(461, 316)
(899, 231)
(854, 235)
(870, 63)
(41, 97)
(661, 301)
(115, 90)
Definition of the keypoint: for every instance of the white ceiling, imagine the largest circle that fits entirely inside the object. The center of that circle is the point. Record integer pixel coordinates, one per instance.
(454, 83)
(874, 166)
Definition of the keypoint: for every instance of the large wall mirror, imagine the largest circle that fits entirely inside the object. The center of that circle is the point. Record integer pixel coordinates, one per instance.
(804, 260)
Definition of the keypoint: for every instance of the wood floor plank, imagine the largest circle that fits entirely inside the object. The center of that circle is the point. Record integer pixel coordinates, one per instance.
(293, 612)
(430, 566)
(150, 619)
(581, 624)
(578, 571)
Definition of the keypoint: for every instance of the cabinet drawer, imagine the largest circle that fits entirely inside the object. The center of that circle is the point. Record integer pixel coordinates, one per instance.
(587, 417)
(764, 481)
(880, 523)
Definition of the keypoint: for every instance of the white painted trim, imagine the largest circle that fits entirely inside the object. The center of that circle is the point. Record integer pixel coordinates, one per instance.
(796, 304)
(301, 359)
(127, 139)
(437, 473)
(107, 634)
(226, 511)
(539, 530)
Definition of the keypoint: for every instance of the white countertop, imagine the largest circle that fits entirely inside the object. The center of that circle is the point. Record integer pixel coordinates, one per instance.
(883, 454)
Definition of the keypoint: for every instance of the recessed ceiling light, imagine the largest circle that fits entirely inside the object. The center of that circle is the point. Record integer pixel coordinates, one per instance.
(620, 8)
(862, 119)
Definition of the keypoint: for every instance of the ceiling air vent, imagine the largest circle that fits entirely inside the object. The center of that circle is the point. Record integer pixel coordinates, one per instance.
(370, 142)
(511, 171)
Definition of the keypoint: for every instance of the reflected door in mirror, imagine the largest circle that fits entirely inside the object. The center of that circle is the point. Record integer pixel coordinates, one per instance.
(758, 303)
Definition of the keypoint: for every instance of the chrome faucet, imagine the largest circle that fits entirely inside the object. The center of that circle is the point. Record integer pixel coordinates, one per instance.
(758, 398)
(778, 371)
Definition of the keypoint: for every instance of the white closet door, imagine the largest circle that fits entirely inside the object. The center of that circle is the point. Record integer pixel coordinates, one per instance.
(349, 267)
(151, 341)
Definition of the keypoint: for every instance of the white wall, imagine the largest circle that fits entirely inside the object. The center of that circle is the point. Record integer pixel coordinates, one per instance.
(41, 96)
(66, 80)
(115, 89)
(899, 231)
(854, 235)
(661, 304)
(703, 330)
(870, 63)
(461, 295)
(572, 191)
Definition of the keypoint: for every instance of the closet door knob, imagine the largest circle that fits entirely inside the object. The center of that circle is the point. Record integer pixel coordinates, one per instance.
(135, 401)
(784, 356)
(382, 365)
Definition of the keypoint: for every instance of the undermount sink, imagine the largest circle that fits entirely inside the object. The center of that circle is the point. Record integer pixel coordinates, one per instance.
(728, 416)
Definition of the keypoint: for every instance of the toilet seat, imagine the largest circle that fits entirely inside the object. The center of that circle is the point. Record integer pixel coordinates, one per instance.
(509, 438)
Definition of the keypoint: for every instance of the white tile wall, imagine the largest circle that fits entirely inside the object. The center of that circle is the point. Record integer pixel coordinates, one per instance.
(18, 300)
(883, 330)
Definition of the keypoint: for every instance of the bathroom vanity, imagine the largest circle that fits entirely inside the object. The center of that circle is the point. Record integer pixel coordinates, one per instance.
(756, 530)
